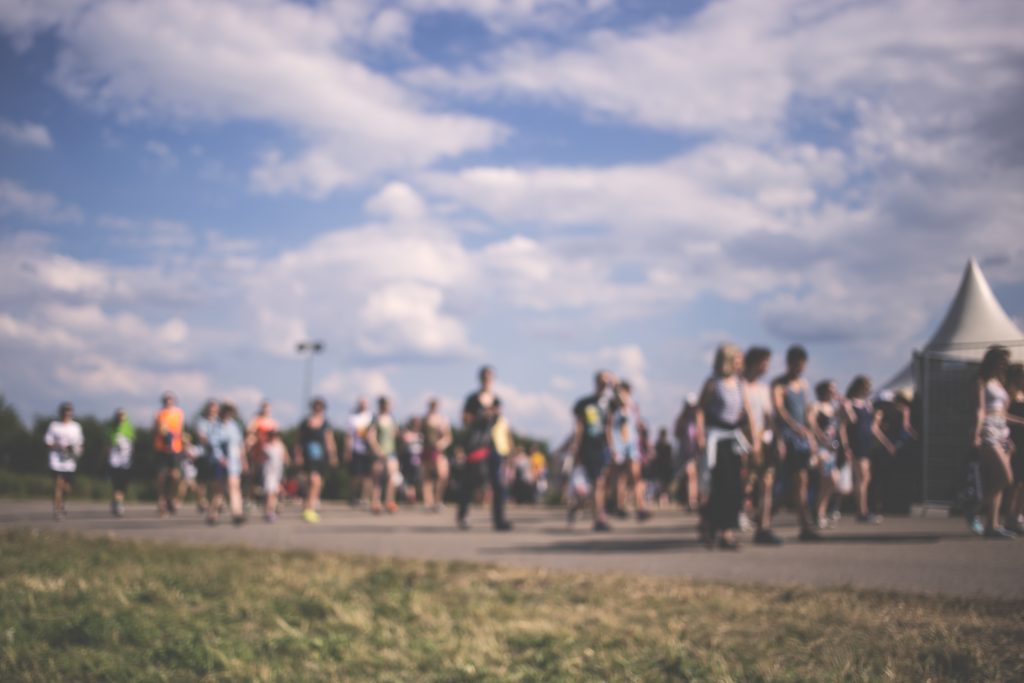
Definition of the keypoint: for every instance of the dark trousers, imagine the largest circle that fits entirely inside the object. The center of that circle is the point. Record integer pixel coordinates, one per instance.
(726, 499)
(474, 476)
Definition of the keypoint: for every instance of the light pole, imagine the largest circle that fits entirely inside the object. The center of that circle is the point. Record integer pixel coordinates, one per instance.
(309, 349)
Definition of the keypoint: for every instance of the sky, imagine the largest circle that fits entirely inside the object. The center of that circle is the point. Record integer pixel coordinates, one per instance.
(190, 188)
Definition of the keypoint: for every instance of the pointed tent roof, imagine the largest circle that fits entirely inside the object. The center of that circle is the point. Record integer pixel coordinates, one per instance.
(975, 320)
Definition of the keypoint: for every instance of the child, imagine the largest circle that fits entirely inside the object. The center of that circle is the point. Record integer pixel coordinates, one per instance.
(276, 455)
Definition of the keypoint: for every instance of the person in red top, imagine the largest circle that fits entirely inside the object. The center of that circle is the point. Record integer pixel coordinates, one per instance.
(257, 436)
(168, 446)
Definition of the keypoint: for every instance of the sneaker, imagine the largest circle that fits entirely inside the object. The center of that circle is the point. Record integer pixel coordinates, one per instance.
(810, 536)
(211, 521)
(503, 526)
(643, 515)
(375, 509)
(999, 534)
(601, 526)
(744, 523)
(976, 526)
(823, 522)
(310, 516)
(728, 544)
(438, 507)
(462, 524)
(238, 521)
(620, 513)
(869, 519)
(1015, 526)
(766, 537)
(392, 508)
(570, 517)
(270, 517)
(836, 515)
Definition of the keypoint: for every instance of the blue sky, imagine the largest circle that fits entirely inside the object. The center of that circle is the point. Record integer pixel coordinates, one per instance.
(549, 186)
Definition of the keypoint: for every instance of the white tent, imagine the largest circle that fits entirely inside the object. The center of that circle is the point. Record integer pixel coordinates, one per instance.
(975, 320)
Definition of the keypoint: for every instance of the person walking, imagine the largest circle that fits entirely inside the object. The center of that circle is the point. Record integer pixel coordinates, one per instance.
(357, 453)
(623, 426)
(66, 441)
(168, 426)
(590, 449)
(119, 458)
(437, 437)
(991, 438)
(382, 438)
(480, 414)
(764, 451)
(791, 398)
(315, 450)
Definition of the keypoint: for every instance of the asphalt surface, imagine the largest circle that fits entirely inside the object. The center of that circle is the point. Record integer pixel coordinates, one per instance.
(905, 554)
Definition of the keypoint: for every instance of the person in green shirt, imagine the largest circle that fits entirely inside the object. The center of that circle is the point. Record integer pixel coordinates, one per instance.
(382, 437)
(121, 436)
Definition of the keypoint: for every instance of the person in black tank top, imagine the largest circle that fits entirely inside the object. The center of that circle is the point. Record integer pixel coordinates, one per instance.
(315, 450)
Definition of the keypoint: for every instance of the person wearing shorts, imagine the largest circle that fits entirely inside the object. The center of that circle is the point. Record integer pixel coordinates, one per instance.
(410, 454)
(437, 437)
(168, 446)
(487, 443)
(256, 434)
(590, 447)
(230, 465)
(764, 454)
(623, 424)
(119, 459)
(791, 399)
(314, 451)
(382, 438)
(66, 441)
(206, 427)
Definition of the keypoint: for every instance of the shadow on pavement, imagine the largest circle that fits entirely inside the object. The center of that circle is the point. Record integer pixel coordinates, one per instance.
(610, 545)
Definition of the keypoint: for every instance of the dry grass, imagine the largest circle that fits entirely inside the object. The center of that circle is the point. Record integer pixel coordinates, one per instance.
(85, 609)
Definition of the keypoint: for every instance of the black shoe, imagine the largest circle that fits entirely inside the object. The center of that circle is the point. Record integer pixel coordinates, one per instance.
(766, 537)
(503, 526)
(620, 513)
(601, 525)
(810, 536)
(643, 515)
(462, 524)
(211, 521)
(570, 517)
(238, 521)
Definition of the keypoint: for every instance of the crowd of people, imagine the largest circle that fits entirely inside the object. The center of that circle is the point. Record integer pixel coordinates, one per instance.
(744, 447)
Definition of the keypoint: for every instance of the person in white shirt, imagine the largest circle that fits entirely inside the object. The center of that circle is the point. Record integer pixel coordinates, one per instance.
(357, 453)
(65, 439)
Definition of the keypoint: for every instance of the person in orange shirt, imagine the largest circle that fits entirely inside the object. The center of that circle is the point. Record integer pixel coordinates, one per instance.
(168, 446)
(257, 436)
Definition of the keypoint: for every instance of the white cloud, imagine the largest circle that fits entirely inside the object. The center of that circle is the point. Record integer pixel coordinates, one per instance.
(15, 199)
(342, 386)
(503, 16)
(283, 63)
(26, 133)
(408, 318)
(397, 200)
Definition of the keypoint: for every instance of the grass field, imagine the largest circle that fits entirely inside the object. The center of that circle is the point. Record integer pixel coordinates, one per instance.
(79, 609)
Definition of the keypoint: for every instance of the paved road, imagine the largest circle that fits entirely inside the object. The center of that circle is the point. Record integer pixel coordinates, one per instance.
(904, 554)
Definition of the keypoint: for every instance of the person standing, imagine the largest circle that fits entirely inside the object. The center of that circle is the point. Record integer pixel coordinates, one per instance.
(764, 454)
(825, 420)
(275, 460)
(864, 436)
(590, 448)
(723, 415)
(480, 415)
(257, 434)
(230, 454)
(66, 442)
(122, 445)
(1015, 416)
(410, 458)
(357, 453)
(207, 427)
(169, 446)
(382, 438)
(437, 437)
(991, 437)
(791, 397)
(661, 467)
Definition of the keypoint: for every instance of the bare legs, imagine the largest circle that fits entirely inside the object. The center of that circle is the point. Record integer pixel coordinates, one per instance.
(862, 479)
(436, 482)
(995, 462)
(61, 488)
(167, 489)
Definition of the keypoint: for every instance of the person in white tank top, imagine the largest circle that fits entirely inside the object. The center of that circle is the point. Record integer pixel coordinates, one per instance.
(992, 438)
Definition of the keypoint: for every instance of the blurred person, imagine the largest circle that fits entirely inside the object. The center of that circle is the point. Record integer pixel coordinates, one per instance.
(539, 472)
(723, 414)
(437, 437)
(121, 436)
(275, 460)
(480, 415)
(662, 471)
(1015, 388)
(357, 453)
(190, 455)
(590, 448)
(230, 454)
(895, 425)
(168, 426)
(410, 455)
(382, 438)
(66, 441)
(991, 438)
(863, 434)
(825, 420)
(791, 398)
(764, 452)
(623, 425)
(315, 450)
(686, 443)
(207, 428)
(257, 433)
